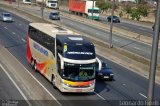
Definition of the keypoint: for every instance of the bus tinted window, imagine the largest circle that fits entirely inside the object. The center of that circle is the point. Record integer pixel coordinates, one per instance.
(42, 38)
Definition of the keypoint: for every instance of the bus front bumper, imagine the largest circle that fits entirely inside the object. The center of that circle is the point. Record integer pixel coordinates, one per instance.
(66, 88)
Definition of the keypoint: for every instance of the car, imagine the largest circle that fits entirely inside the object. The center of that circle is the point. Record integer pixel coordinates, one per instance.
(115, 19)
(54, 16)
(105, 73)
(7, 17)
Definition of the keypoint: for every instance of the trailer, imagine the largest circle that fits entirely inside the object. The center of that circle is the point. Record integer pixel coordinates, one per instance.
(84, 8)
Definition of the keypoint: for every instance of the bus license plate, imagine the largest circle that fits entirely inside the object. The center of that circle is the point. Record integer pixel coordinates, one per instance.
(106, 76)
(78, 90)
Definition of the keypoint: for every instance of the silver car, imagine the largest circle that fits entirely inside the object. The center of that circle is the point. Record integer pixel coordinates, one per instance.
(54, 16)
(7, 17)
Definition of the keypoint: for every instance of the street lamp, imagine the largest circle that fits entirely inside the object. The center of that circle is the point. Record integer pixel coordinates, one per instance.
(92, 9)
(153, 62)
(18, 3)
(42, 8)
(111, 25)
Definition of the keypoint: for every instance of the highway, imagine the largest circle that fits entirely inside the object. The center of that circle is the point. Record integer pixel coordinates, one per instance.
(9, 93)
(133, 27)
(134, 46)
(127, 85)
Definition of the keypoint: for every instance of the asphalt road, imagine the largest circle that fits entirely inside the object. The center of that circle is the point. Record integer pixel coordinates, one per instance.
(134, 46)
(137, 28)
(127, 85)
(9, 93)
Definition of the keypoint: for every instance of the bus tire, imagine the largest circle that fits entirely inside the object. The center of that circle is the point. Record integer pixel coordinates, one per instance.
(32, 63)
(53, 81)
(35, 66)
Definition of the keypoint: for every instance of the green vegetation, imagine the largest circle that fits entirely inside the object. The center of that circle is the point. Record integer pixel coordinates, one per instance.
(135, 11)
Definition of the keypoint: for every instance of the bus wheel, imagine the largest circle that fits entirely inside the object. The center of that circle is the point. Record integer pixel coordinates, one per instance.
(53, 81)
(32, 63)
(35, 66)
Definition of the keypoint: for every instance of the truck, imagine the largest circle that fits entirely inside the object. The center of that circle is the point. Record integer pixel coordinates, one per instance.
(84, 8)
(27, 1)
(49, 3)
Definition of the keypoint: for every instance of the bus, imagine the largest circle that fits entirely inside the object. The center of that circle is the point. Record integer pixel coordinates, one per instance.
(65, 58)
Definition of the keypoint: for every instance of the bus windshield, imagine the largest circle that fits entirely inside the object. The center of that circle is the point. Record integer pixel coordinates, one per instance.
(79, 72)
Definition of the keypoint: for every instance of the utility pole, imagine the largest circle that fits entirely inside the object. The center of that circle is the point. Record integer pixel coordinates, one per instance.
(111, 25)
(18, 3)
(92, 9)
(42, 8)
(153, 63)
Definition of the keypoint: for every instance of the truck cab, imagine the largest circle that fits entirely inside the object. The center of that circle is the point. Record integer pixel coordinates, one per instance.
(52, 4)
(95, 11)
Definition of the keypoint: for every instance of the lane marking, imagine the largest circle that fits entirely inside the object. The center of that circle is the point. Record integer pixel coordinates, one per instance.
(123, 84)
(99, 96)
(71, 23)
(23, 40)
(116, 40)
(137, 48)
(142, 95)
(36, 80)
(97, 33)
(15, 85)
(13, 33)
(5, 27)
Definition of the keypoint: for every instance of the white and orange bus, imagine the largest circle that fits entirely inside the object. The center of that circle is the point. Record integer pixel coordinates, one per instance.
(63, 57)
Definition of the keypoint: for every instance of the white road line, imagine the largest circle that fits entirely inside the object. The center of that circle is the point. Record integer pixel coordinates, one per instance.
(142, 95)
(97, 33)
(137, 48)
(23, 40)
(100, 96)
(123, 84)
(15, 85)
(71, 23)
(13, 33)
(37, 81)
(5, 27)
(116, 40)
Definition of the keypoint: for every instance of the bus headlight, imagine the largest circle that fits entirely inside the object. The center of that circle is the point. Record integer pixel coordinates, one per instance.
(91, 84)
(65, 84)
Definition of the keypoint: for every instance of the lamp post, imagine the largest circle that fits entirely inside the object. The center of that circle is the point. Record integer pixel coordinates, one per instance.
(111, 25)
(153, 62)
(92, 9)
(42, 8)
(18, 3)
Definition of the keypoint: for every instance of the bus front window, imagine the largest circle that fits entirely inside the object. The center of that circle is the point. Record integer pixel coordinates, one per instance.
(79, 72)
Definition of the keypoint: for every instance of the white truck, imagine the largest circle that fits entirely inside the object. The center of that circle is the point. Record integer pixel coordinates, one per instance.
(49, 3)
(27, 1)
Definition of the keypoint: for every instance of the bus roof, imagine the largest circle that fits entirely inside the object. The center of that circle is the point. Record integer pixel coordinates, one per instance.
(51, 29)
(73, 39)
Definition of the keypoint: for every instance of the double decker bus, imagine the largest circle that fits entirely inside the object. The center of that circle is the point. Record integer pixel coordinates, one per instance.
(62, 56)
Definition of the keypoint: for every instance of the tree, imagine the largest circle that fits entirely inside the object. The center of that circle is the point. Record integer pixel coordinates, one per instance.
(135, 14)
(128, 9)
(104, 6)
(143, 10)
